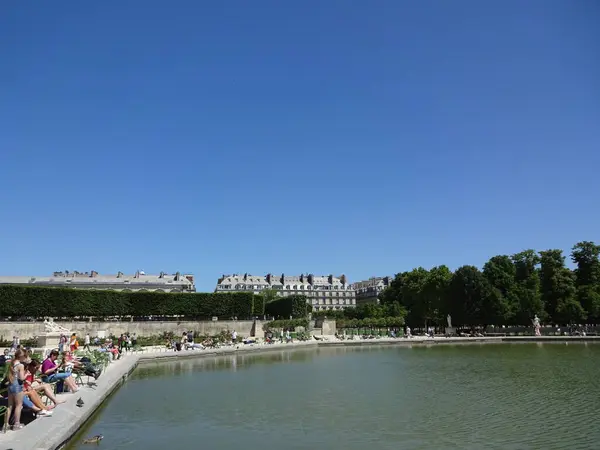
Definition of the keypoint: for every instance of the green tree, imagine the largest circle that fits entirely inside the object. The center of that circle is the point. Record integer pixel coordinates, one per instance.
(269, 295)
(393, 293)
(472, 300)
(413, 299)
(528, 287)
(434, 294)
(586, 255)
(500, 271)
(558, 288)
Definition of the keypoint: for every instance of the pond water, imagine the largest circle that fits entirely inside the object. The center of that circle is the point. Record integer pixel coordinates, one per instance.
(494, 396)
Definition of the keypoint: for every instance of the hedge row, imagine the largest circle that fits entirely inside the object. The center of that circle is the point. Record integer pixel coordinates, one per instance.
(284, 307)
(26, 301)
(371, 322)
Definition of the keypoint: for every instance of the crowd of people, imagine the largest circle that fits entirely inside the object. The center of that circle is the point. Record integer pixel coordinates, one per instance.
(31, 383)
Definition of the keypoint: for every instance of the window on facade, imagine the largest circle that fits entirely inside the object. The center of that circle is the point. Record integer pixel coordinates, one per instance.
(288, 286)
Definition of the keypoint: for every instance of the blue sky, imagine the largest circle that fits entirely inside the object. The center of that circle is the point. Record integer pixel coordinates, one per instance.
(363, 138)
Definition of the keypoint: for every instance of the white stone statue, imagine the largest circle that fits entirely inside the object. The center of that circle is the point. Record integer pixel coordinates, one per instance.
(536, 325)
(449, 319)
(51, 327)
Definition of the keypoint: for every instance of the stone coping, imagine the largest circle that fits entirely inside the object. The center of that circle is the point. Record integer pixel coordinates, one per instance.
(52, 433)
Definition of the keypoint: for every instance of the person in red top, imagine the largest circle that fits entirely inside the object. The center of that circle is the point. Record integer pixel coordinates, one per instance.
(35, 384)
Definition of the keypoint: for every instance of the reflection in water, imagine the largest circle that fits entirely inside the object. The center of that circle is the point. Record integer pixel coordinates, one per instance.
(234, 362)
(504, 396)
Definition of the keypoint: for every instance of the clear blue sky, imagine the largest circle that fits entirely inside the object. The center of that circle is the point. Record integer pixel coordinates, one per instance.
(363, 138)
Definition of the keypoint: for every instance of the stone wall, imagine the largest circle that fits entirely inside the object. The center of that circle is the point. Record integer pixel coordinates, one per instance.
(26, 330)
(245, 328)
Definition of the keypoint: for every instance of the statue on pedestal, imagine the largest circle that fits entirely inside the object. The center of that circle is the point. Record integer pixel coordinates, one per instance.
(536, 325)
(449, 319)
(51, 327)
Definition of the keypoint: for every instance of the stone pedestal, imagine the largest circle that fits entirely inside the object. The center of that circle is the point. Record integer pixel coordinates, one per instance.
(49, 339)
(450, 331)
(257, 329)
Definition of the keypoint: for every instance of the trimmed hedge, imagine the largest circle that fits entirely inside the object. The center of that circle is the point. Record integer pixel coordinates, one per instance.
(374, 322)
(29, 301)
(284, 307)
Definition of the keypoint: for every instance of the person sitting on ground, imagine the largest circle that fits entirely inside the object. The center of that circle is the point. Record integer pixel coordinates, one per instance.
(269, 337)
(36, 384)
(51, 374)
(190, 344)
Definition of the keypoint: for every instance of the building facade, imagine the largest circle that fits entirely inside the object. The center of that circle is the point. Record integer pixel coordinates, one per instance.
(322, 292)
(120, 282)
(368, 291)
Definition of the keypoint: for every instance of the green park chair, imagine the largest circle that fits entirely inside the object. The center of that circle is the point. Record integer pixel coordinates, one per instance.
(3, 408)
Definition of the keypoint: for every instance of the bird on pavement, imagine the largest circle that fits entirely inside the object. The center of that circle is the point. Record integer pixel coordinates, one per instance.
(80, 402)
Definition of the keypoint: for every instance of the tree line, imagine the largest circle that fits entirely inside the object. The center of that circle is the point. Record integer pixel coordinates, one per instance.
(509, 290)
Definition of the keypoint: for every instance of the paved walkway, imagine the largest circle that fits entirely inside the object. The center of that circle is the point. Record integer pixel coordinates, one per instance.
(50, 433)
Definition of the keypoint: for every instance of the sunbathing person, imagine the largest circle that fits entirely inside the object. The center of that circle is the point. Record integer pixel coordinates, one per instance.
(70, 362)
(33, 401)
(35, 384)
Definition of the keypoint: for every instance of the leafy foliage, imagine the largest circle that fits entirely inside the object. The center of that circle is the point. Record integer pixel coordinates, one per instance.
(294, 306)
(510, 290)
(371, 322)
(394, 313)
(26, 301)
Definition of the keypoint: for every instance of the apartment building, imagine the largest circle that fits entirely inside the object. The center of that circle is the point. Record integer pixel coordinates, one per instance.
(324, 292)
(139, 281)
(367, 291)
